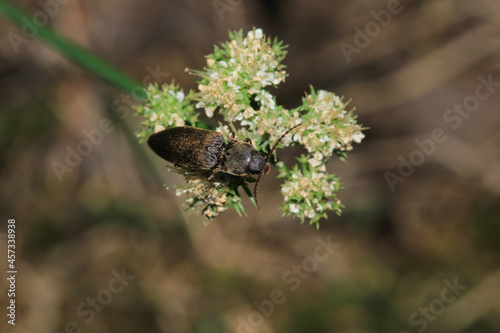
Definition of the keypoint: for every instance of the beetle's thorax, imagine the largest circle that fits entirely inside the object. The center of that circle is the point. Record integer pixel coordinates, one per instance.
(239, 158)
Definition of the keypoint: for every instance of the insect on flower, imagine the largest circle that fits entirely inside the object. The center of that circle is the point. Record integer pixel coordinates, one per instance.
(203, 150)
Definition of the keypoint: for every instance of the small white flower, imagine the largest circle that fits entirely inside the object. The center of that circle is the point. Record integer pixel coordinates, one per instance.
(209, 111)
(175, 120)
(294, 208)
(358, 136)
(309, 213)
(248, 113)
(159, 128)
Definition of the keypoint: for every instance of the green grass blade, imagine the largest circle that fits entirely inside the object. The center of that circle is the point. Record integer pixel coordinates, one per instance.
(72, 51)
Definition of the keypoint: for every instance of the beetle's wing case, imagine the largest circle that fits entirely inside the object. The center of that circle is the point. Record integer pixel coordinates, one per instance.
(188, 147)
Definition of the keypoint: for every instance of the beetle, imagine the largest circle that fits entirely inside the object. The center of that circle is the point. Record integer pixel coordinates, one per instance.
(204, 150)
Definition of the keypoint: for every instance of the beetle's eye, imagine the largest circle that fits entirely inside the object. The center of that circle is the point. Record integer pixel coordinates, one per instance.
(257, 163)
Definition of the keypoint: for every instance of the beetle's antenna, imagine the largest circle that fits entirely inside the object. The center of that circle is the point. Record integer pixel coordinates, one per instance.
(267, 158)
(255, 191)
(279, 140)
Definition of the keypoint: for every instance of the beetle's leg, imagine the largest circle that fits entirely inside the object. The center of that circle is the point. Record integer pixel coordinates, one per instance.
(248, 140)
(213, 174)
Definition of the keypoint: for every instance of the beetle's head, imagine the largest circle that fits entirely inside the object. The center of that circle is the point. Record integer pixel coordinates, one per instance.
(258, 164)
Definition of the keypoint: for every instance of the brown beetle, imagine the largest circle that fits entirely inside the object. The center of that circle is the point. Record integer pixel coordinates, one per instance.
(204, 150)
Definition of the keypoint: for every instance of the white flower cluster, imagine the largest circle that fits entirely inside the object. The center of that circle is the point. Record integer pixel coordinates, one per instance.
(328, 126)
(308, 193)
(165, 107)
(204, 197)
(209, 198)
(237, 74)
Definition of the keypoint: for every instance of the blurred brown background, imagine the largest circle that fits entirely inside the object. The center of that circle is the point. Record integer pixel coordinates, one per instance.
(105, 248)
